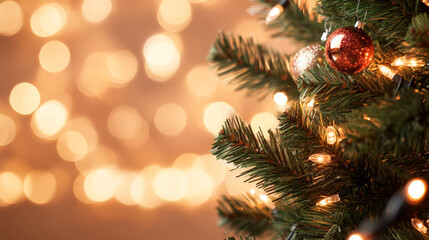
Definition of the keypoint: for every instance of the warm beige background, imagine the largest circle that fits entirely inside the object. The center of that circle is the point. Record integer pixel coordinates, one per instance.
(127, 27)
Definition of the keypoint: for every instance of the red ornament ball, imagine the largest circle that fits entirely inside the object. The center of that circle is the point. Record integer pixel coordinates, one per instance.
(349, 50)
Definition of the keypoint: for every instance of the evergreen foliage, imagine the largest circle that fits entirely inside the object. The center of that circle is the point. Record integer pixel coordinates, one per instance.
(382, 134)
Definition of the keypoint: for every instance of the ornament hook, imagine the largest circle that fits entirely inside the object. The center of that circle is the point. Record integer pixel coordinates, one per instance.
(359, 23)
(327, 30)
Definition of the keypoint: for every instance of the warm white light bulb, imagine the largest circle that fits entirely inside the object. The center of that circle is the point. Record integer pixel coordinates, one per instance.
(320, 158)
(331, 135)
(416, 190)
(329, 200)
(280, 98)
(274, 13)
(418, 224)
(310, 103)
(355, 237)
(389, 73)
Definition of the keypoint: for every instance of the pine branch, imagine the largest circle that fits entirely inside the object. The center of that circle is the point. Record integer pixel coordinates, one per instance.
(417, 38)
(270, 164)
(295, 22)
(400, 126)
(244, 216)
(242, 238)
(253, 66)
(386, 22)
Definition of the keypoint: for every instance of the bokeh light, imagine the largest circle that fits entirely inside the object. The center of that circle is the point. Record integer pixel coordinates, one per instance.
(214, 167)
(24, 98)
(170, 184)
(49, 118)
(201, 81)
(185, 161)
(162, 58)
(86, 128)
(200, 187)
(170, 119)
(125, 184)
(54, 56)
(40, 186)
(7, 130)
(11, 18)
(72, 146)
(48, 20)
(416, 190)
(124, 122)
(235, 185)
(101, 157)
(10, 188)
(94, 78)
(96, 10)
(264, 121)
(174, 15)
(123, 67)
(100, 185)
(145, 180)
(215, 115)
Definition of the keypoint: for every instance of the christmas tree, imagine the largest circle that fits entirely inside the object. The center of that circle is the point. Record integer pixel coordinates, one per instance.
(350, 157)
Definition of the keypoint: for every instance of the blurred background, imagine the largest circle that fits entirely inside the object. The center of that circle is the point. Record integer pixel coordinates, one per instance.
(108, 110)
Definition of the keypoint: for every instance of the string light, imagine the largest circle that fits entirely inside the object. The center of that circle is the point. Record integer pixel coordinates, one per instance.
(394, 76)
(329, 200)
(320, 158)
(389, 73)
(310, 104)
(415, 191)
(331, 136)
(276, 11)
(355, 237)
(280, 98)
(418, 224)
(403, 61)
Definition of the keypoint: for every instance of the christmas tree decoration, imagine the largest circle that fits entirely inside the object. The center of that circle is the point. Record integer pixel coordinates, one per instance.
(418, 225)
(355, 237)
(415, 191)
(320, 158)
(358, 140)
(329, 200)
(404, 62)
(395, 77)
(276, 11)
(331, 135)
(426, 2)
(349, 50)
(304, 59)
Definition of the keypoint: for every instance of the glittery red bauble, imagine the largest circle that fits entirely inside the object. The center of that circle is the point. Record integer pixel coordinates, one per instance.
(349, 50)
